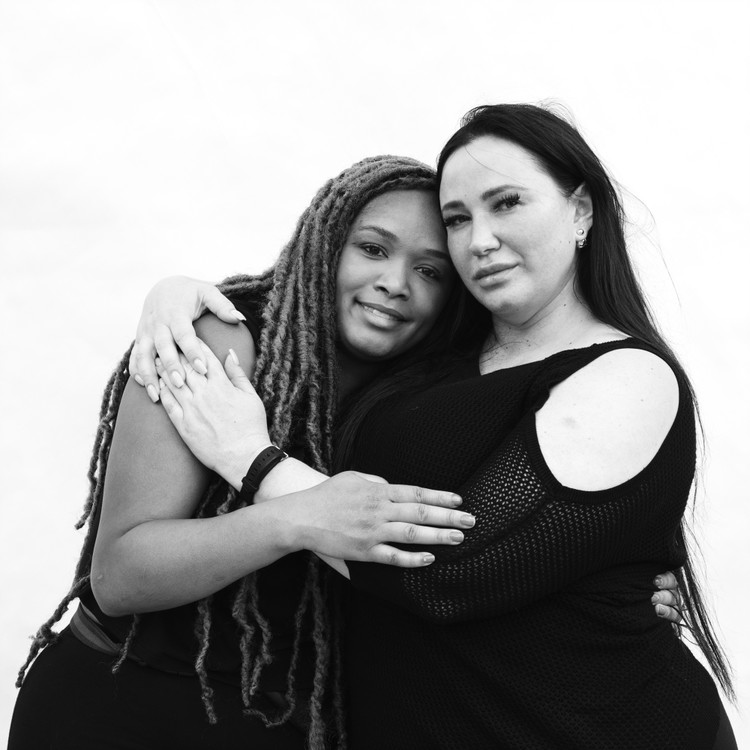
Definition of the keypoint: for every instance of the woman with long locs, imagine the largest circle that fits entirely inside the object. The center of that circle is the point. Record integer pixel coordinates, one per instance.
(482, 622)
(180, 639)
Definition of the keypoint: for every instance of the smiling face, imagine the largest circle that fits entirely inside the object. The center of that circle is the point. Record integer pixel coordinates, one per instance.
(511, 230)
(394, 275)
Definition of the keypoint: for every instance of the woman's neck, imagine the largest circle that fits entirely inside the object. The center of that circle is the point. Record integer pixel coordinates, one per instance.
(354, 373)
(565, 324)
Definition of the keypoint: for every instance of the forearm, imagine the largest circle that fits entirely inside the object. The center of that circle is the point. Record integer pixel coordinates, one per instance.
(290, 475)
(162, 564)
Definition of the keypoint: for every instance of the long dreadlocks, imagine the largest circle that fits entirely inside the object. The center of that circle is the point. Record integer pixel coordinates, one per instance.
(296, 376)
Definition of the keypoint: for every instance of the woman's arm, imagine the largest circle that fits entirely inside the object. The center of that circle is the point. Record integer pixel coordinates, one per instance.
(149, 553)
(166, 320)
(352, 516)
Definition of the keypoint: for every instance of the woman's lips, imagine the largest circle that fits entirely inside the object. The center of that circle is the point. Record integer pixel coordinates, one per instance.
(382, 312)
(492, 273)
(492, 270)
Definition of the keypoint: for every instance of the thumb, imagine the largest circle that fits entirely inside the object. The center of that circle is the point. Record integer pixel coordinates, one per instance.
(235, 373)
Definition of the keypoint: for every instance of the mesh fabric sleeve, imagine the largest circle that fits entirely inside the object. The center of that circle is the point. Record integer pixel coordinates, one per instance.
(534, 537)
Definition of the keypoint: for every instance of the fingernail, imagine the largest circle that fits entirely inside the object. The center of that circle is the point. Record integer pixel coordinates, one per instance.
(199, 366)
(152, 394)
(234, 357)
(456, 500)
(658, 581)
(138, 379)
(427, 558)
(177, 379)
(468, 521)
(456, 536)
(661, 610)
(238, 315)
(654, 599)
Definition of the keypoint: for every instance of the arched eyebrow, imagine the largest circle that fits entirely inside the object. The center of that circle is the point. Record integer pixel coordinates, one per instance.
(485, 196)
(384, 233)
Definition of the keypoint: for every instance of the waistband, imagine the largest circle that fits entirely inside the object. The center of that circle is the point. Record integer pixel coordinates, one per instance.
(89, 631)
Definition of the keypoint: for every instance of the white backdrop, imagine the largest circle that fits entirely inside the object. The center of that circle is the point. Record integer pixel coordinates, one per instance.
(139, 139)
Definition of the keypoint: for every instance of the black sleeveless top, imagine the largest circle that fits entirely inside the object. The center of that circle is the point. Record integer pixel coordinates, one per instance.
(537, 631)
(167, 640)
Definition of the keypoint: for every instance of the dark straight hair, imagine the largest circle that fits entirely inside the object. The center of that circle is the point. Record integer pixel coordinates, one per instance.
(606, 280)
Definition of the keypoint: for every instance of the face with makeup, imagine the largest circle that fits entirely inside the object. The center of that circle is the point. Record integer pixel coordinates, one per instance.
(394, 275)
(511, 229)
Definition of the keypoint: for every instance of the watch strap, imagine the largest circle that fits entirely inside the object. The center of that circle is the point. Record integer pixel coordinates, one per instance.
(259, 468)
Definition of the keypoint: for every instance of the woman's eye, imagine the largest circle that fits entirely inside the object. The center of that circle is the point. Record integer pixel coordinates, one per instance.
(507, 201)
(374, 251)
(430, 272)
(454, 220)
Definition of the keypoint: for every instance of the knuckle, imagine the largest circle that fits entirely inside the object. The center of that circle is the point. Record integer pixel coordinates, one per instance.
(392, 557)
(184, 337)
(422, 513)
(410, 532)
(419, 495)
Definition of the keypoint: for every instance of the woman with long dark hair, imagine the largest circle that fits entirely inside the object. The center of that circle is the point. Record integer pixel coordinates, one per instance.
(569, 431)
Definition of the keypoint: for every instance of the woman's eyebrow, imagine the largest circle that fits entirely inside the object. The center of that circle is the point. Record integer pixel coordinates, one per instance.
(485, 196)
(492, 192)
(440, 254)
(378, 230)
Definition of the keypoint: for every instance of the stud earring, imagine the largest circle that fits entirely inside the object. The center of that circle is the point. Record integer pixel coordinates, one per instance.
(581, 232)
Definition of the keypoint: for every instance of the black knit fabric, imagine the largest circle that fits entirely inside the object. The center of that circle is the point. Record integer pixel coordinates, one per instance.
(537, 631)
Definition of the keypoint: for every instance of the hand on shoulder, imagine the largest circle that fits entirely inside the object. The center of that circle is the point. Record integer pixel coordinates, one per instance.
(606, 422)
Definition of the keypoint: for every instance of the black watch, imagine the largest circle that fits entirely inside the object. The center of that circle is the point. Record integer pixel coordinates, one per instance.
(263, 463)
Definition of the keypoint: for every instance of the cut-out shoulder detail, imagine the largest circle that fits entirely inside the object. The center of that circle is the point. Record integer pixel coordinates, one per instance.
(605, 423)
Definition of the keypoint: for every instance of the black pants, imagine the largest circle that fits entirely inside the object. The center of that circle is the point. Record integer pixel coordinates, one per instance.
(70, 699)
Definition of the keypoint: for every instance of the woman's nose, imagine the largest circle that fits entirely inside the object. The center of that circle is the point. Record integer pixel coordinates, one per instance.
(393, 280)
(483, 238)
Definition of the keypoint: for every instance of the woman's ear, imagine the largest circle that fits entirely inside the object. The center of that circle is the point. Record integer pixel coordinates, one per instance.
(584, 206)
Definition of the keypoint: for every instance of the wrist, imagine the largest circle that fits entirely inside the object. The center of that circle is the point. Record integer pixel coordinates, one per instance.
(235, 467)
(262, 464)
(290, 533)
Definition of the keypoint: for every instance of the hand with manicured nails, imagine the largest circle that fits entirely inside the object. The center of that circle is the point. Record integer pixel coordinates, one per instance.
(354, 516)
(166, 325)
(218, 415)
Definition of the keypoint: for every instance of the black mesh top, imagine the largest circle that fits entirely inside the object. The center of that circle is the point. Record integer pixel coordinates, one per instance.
(537, 631)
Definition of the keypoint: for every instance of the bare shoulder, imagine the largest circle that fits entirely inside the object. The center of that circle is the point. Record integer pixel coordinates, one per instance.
(606, 422)
(220, 337)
